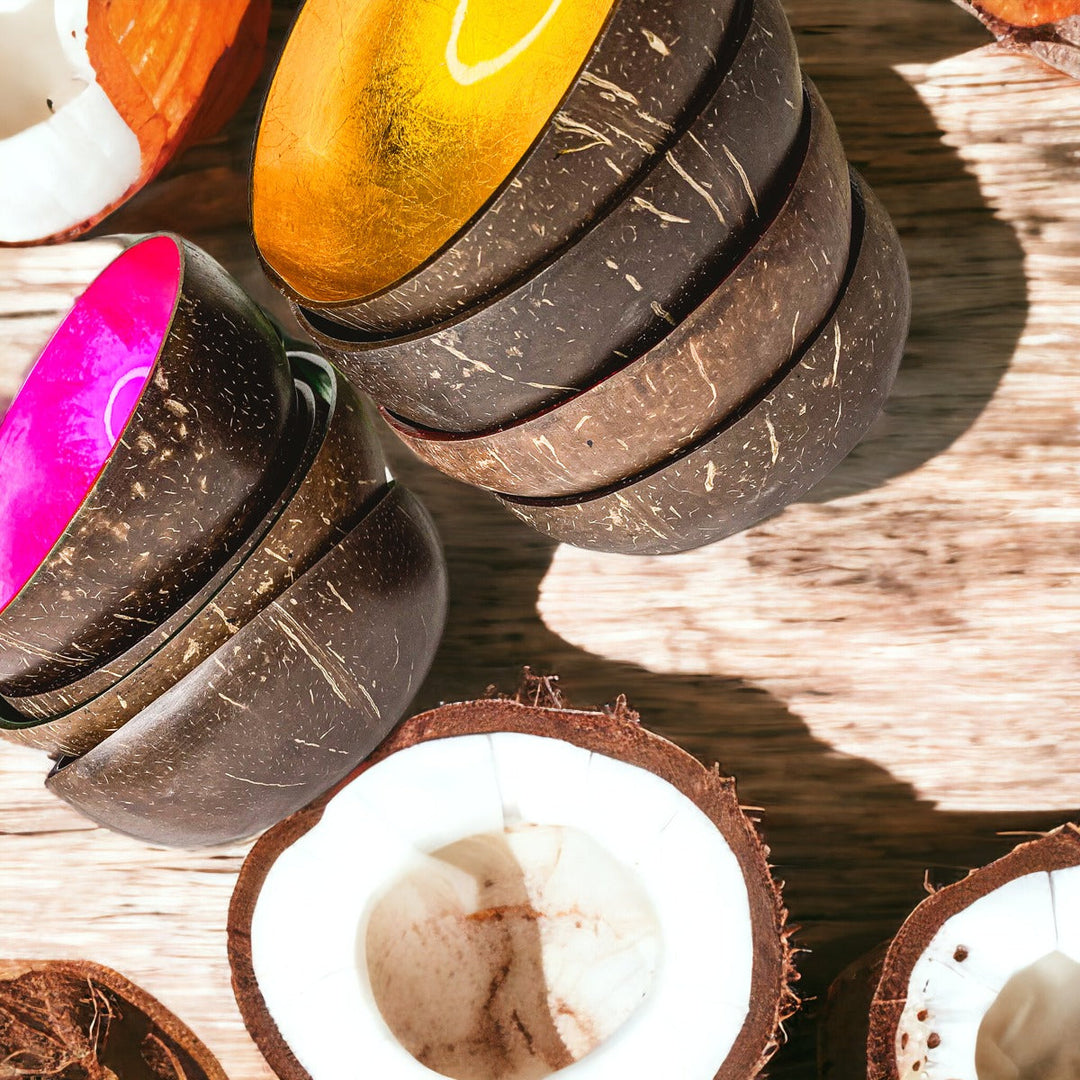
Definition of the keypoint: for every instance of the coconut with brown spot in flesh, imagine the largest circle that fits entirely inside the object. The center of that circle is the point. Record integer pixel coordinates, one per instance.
(510, 888)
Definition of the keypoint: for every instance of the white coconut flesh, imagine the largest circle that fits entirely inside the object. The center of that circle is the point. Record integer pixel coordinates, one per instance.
(506, 906)
(996, 995)
(65, 152)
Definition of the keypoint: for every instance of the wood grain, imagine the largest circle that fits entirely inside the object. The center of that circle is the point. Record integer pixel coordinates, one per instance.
(890, 669)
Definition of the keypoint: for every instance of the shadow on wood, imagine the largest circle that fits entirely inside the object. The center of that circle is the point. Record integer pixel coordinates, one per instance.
(851, 841)
(969, 296)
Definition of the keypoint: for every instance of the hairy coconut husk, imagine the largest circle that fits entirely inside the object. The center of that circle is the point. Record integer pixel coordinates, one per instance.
(75, 1020)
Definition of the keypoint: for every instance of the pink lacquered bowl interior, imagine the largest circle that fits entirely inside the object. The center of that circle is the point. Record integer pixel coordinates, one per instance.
(62, 426)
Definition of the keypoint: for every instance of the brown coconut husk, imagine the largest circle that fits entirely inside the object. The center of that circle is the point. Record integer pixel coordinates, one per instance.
(75, 1020)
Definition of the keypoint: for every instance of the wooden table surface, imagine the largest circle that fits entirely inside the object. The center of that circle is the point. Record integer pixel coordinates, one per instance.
(889, 668)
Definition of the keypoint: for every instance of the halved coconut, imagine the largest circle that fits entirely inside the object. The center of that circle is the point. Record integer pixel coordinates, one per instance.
(97, 95)
(1048, 29)
(983, 980)
(74, 1020)
(511, 890)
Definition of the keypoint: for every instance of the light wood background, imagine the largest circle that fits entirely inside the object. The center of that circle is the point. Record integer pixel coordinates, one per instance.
(891, 669)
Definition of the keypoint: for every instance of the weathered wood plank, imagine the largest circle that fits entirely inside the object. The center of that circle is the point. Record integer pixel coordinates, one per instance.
(890, 669)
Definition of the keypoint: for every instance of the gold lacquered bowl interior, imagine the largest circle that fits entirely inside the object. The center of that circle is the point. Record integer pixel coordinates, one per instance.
(389, 124)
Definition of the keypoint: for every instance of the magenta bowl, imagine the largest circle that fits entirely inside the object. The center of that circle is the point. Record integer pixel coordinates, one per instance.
(149, 437)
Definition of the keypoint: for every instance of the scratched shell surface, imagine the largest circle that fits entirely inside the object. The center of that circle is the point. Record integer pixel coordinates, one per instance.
(776, 450)
(731, 345)
(344, 473)
(641, 83)
(286, 707)
(622, 285)
(199, 463)
(19, 711)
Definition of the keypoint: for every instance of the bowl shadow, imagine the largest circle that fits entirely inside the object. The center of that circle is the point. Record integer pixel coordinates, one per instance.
(969, 293)
(850, 841)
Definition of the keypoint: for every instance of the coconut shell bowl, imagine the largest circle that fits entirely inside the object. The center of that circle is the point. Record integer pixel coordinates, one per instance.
(620, 376)
(456, 145)
(214, 600)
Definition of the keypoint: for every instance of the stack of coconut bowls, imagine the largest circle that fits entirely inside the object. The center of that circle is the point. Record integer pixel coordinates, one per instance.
(604, 259)
(213, 603)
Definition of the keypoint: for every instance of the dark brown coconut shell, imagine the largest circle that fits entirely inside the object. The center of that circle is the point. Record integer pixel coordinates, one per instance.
(198, 465)
(781, 443)
(74, 1020)
(731, 345)
(20, 715)
(291, 703)
(614, 734)
(845, 1022)
(1046, 29)
(648, 73)
(344, 472)
(617, 290)
(1056, 851)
